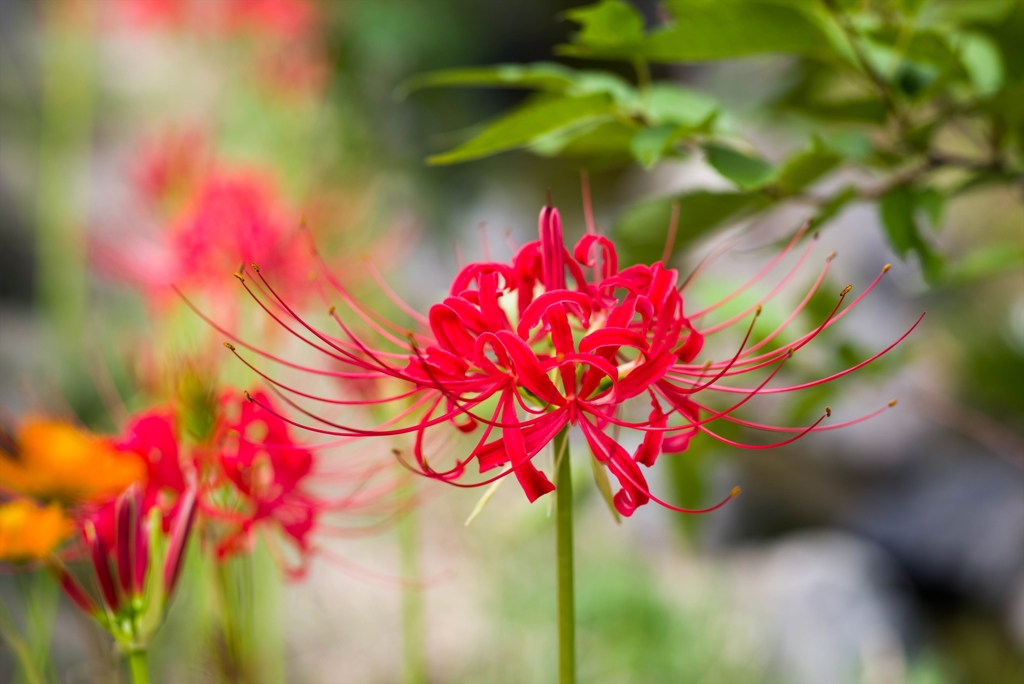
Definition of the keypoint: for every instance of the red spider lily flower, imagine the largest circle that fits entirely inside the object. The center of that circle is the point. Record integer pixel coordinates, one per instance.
(231, 218)
(269, 473)
(554, 338)
(128, 594)
(152, 437)
(283, 19)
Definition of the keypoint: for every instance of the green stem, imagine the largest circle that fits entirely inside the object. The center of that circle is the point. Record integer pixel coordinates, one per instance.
(412, 599)
(40, 596)
(137, 666)
(232, 662)
(66, 121)
(12, 637)
(566, 591)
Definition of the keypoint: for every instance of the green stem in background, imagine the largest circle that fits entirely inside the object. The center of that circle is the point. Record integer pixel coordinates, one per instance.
(40, 597)
(643, 74)
(65, 130)
(10, 635)
(407, 531)
(137, 666)
(566, 590)
(234, 586)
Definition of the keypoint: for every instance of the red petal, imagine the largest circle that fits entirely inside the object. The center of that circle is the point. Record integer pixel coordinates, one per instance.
(528, 369)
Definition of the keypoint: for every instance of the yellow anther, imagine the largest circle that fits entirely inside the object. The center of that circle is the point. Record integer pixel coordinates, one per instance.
(757, 312)
(229, 346)
(886, 268)
(735, 492)
(893, 403)
(247, 395)
(831, 256)
(239, 276)
(255, 267)
(828, 411)
(846, 290)
(330, 310)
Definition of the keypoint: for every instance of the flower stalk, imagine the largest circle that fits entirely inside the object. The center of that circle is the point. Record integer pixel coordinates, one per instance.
(407, 531)
(137, 666)
(563, 543)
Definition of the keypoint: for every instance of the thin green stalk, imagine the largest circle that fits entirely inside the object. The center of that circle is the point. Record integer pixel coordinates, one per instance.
(10, 635)
(232, 625)
(66, 122)
(566, 590)
(137, 666)
(40, 596)
(407, 530)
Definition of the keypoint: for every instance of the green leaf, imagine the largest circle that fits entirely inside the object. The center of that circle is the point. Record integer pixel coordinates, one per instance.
(806, 167)
(671, 104)
(649, 144)
(528, 124)
(600, 143)
(981, 59)
(745, 171)
(608, 25)
(539, 76)
(987, 262)
(722, 29)
(932, 202)
(641, 231)
(604, 486)
(850, 144)
(593, 82)
(897, 208)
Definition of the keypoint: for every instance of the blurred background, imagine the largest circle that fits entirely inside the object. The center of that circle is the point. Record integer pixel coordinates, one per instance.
(892, 551)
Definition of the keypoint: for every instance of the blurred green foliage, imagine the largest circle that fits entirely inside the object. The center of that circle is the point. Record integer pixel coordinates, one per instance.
(926, 96)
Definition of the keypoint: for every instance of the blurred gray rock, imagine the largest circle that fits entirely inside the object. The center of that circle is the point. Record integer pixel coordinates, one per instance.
(954, 525)
(832, 607)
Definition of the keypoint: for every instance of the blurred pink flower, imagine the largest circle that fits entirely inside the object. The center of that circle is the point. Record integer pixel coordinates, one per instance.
(282, 19)
(219, 219)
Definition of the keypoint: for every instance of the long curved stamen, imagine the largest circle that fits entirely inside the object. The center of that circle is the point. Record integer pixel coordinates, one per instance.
(759, 447)
(760, 274)
(834, 376)
(768, 297)
(826, 428)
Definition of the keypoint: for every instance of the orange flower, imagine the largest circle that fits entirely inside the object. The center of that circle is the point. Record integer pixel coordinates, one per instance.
(54, 460)
(29, 531)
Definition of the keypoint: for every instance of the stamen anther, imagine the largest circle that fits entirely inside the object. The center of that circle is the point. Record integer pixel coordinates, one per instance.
(735, 492)
(893, 403)
(229, 346)
(846, 290)
(330, 310)
(255, 267)
(886, 268)
(828, 411)
(239, 276)
(831, 256)
(248, 396)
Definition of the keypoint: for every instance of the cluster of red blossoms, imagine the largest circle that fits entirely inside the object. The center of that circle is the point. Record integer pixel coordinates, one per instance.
(248, 472)
(522, 350)
(212, 216)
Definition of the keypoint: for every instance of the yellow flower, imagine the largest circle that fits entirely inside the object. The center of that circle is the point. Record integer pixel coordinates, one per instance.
(29, 531)
(54, 460)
